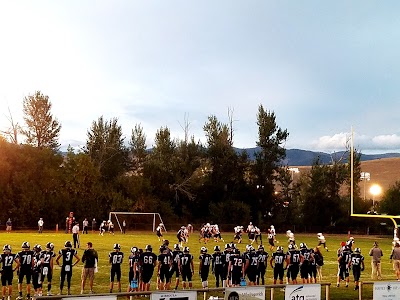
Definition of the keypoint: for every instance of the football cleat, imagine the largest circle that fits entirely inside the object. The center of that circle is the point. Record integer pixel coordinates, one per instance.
(117, 247)
(68, 244)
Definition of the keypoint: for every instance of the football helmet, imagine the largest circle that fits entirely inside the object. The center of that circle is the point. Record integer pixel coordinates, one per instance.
(186, 249)
(261, 247)
(227, 246)
(68, 244)
(217, 248)
(279, 249)
(357, 250)
(49, 246)
(203, 249)
(290, 247)
(303, 246)
(149, 248)
(162, 248)
(176, 247)
(25, 245)
(7, 248)
(37, 248)
(117, 247)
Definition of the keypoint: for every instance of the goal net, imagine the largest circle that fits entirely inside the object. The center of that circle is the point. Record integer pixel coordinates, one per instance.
(135, 220)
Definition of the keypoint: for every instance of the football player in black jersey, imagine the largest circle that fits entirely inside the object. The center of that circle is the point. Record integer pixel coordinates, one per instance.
(227, 252)
(134, 270)
(251, 265)
(293, 258)
(25, 259)
(262, 264)
(344, 260)
(67, 254)
(7, 260)
(147, 261)
(277, 261)
(236, 267)
(37, 270)
(306, 257)
(176, 264)
(357, 263)
(164, 266)
(218, 262)
(115, 258)
(47, 265)
(204, 267)
(187, 268)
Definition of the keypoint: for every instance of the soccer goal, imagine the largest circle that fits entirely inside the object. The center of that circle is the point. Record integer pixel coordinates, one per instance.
(136, 220)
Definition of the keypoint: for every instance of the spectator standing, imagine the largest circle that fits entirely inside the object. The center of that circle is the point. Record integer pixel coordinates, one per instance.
(75, 234)
(376, 254)
(395, 258)
(8, 225)
(85, 226)
(40, 225)
(89, 258)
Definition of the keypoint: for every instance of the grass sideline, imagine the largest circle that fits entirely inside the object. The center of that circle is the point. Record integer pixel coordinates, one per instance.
(104, 245)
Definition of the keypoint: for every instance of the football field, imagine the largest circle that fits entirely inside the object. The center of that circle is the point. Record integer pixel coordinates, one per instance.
(104, 245)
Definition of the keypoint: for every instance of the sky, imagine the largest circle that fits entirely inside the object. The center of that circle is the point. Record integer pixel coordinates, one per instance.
(323, 67)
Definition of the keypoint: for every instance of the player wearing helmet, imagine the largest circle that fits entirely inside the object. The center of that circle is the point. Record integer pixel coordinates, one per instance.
(134, 265)
(67, 254)
(25, 259)
(147, 262)
(251, 265)
(217, 265)
(187, 268)
(37, 270)
(159, 232)
(204, 267)
(164, 265)
(7, 260)
(277, 261)
(47, 258)
(176, 264)
(236, 267)
(238, 230)
(115, 259)
(262, 264)
(343, 260)
(306, 257)
(322, 241)
(293, 258)
(357, 264)
(227, 252)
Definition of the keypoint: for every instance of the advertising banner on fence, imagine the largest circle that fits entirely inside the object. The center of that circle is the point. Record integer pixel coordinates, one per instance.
(173, 295)
(245, 293)
(303, 292)
(386, 290)
(93, 296)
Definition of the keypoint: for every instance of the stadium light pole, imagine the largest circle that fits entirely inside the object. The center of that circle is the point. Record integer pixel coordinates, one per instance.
(375, 190)
(365, 176)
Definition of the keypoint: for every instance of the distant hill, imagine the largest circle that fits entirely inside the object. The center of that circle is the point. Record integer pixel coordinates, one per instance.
(298, 157)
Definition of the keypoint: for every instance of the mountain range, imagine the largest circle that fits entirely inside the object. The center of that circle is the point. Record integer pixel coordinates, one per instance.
(298, 157)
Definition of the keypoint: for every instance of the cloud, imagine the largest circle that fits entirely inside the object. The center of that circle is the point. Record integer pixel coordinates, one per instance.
(387, 141)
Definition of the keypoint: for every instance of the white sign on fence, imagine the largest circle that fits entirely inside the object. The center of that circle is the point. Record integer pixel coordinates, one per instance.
(303, 292)
(245, 293)
(174, 295)
(386, 290)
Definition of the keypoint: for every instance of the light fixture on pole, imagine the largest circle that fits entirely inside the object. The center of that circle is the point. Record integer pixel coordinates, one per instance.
(375, 190)
(293, 170)
(365, 176)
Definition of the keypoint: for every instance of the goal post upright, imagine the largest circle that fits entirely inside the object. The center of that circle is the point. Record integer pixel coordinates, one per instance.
(155, 215)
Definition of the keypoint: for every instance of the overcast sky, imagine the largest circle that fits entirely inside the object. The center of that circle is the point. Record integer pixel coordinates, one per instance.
(321, 66)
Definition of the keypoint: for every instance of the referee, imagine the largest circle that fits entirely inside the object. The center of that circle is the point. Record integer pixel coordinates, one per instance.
(75, 234)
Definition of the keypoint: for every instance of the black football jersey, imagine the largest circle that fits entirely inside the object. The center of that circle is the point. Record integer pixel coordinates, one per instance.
(7, 260)
(116, 258)
(67, 255)
(25, 259)
(147, 260)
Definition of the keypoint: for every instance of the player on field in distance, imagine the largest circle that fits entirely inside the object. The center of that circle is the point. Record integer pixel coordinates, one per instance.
(7, 260)
(204, 267)
(262, 264)
(357, 264)
(134, 270)
(238, 230)
(164, 266)
(147, 263)
(47, 265)
(271, 240)
(217, 266)
(37, 271)
(181, 236)
(159, 232)
(187, 268)
(176, 264)
(40, 225)
(277, 261)
(322, 241)
(67, 254)
(25, 264)
(115, 259)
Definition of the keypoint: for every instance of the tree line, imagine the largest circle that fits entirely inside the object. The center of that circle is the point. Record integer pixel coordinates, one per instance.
(185, 180)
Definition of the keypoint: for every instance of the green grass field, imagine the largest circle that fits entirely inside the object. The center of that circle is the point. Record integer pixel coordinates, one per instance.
(104, 244)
